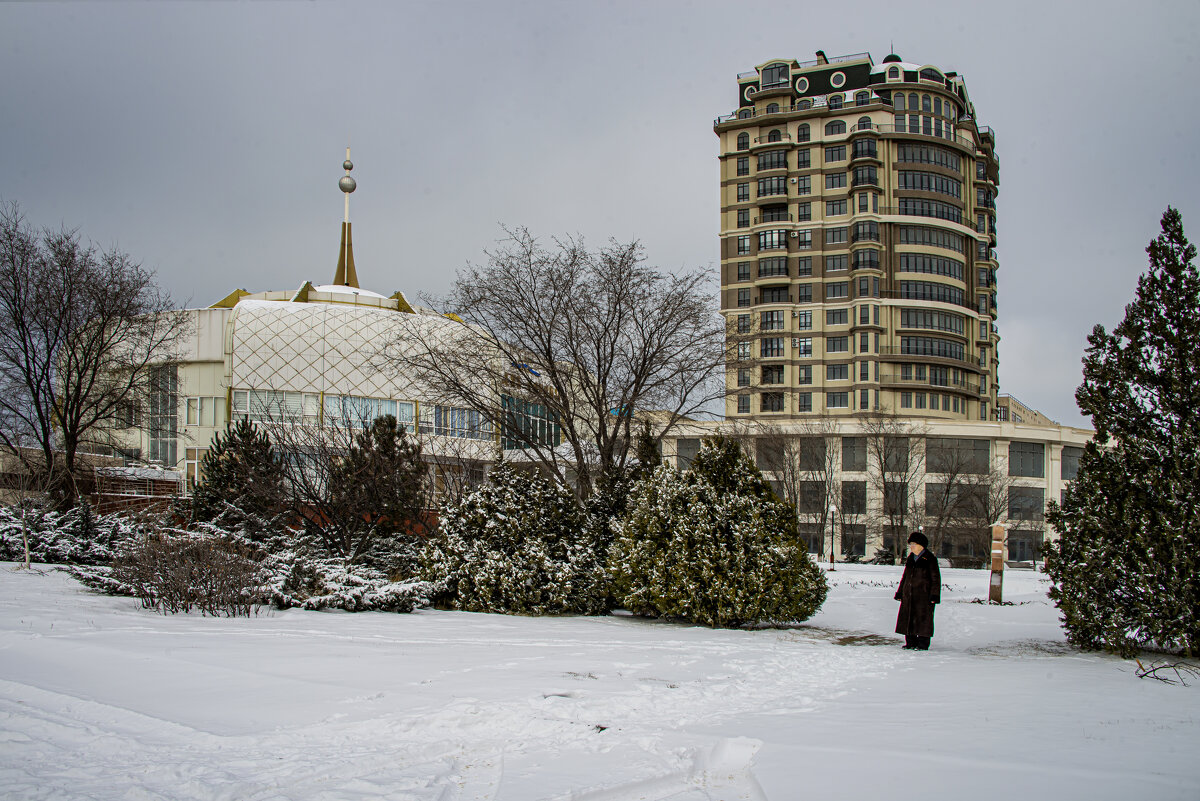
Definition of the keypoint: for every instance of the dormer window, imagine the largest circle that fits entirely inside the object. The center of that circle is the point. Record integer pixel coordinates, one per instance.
(775, 75)
(772, 108)
(893, 73)
(930, 74)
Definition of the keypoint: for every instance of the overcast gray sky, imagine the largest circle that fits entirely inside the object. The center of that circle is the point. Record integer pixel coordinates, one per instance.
(206, 139)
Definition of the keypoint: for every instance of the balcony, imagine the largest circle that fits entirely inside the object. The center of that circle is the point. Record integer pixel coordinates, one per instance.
(891, 129)
(897, 380)
(893, 353)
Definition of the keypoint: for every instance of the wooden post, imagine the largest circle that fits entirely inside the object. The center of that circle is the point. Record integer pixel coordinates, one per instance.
(996, 589)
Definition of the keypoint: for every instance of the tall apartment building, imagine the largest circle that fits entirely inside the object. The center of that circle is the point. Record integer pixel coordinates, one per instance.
(858, 235)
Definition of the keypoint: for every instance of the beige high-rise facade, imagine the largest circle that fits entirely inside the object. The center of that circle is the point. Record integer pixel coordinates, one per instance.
(858, 236)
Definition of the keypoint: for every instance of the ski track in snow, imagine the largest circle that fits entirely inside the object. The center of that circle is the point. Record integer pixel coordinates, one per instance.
(102, 700)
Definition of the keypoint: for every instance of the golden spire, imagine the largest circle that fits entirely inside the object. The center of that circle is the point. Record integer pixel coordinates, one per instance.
(345, 275)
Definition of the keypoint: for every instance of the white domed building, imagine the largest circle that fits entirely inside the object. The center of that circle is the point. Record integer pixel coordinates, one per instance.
(299, 356)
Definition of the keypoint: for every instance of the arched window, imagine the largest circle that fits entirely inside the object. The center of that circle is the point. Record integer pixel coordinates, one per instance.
(862, 98)
(894, 74)
(835, 101)
(802, 134)
(803, 104)
(774, 136)
(774, 75)
(743, 141)
(864, 123)
(835, 127)
(925, 103)
(898, 103)
(937, 106)
(930, 74)
(744, 114)
(772, 108)
(914, 102)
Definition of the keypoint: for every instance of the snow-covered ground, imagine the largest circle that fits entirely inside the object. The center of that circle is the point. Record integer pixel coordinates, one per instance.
(102, 700)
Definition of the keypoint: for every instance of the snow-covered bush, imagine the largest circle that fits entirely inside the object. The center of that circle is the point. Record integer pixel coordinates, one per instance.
(76, 536)
(179, 573)
(713, 546)
(275, 565)
(517, 545)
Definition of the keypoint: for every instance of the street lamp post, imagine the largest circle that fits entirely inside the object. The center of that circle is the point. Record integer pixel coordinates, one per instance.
(832, 538)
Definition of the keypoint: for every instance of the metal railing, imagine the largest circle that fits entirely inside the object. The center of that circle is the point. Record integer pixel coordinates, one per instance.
(893, 350)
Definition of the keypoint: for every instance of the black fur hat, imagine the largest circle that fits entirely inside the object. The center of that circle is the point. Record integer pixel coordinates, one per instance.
(919, 539)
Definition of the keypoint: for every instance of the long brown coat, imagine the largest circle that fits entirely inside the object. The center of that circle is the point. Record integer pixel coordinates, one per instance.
(920, 588)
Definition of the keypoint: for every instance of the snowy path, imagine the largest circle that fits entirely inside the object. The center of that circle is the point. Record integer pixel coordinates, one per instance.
(101, 700)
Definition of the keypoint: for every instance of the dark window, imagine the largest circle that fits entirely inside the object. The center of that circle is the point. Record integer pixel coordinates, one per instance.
(835, 127)
(927, 290)
(743, 218)
(743, 402)
(837, 372)
(743, 192)
(775, 294)
(854, 454)
(866, 259)
(958, 456)
(772, 401)
(743, 165)
(835, 263)
(772, 346)
(772, 186)
(932, 265)
(743, 377)
(854, 497)
(804, 401)
(771, 267)
(837, 153)
(837, 344)
(1026, 459)
(773, 374)
(743, 141)
(774, 135)
(866, 231)
(743, 271)
(772, 321)
(930, 208)
(1026, 503)
(772, 160)
(774, 75)
(804, 293)
(1070, 462)
(864, 149)
(932, 346)
(862, 99)
(835, 180)
(837, 400)
(687, 449)
(802, 133)
(930, 182)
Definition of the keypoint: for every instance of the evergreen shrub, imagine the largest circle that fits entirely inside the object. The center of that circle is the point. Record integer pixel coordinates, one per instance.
(517, 545)
(714, 546)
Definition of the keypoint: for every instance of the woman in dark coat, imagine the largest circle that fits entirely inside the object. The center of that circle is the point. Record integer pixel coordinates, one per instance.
(920, 590)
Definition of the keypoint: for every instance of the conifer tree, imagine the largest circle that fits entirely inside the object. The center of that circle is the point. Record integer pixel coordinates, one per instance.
(517, 545)
(1126, 566)
(240, 476)
(714, 546)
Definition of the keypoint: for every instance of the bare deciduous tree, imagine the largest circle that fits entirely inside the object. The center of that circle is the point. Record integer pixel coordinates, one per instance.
(895, 470)
(565, 339)
(80, 331)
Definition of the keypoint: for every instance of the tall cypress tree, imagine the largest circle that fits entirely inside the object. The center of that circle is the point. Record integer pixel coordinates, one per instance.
(1126, 568)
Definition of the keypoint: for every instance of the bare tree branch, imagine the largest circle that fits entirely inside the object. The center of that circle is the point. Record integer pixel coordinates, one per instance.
(562, 347)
